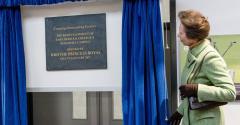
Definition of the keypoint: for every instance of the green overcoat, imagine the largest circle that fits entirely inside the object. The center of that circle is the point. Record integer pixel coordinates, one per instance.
(214, 84)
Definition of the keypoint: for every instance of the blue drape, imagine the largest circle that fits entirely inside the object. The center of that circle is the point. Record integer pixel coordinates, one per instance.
(11, 3)
(13, 106)
(144, 89)
(13, 83)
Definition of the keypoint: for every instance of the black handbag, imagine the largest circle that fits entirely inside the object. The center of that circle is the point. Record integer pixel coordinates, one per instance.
(194, 104)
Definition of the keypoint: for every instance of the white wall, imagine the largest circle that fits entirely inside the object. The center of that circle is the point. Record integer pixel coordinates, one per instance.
(223, 15)
(165, 10)
(39, 79)
(224, 18)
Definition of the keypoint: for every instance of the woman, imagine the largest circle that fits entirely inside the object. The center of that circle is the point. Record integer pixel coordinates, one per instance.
(205, 75)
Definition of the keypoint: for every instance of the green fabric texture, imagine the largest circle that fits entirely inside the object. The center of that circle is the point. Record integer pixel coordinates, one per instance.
(214, 84)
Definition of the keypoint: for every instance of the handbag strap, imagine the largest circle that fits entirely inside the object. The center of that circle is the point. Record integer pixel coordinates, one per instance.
(198, 66)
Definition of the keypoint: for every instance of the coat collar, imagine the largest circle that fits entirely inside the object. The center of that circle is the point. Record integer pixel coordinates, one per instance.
(194, 52)
(199, 48)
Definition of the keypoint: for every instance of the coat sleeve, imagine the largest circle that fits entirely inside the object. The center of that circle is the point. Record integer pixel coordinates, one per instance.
(222, 89)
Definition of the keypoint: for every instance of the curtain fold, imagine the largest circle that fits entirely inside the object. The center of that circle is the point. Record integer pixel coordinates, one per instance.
(144, 88)
(13, 80)
(12, 3)
(13, 106)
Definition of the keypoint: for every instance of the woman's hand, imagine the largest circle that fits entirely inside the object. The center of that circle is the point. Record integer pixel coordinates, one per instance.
(188, 90)
(175, 119)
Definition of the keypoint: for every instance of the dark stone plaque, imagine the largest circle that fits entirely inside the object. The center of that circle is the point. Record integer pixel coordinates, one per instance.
(76, 42)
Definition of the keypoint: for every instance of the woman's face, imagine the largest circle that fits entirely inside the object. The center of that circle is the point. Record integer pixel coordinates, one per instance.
(183, 38)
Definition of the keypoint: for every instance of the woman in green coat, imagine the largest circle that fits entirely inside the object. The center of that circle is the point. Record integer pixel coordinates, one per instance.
(205, 76)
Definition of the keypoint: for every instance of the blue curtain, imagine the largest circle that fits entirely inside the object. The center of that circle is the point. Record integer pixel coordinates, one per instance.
(11, 3)
(144, 89)
(13, 106)
(13, 83)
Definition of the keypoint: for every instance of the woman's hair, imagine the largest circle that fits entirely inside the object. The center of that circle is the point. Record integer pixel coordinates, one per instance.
(195, 24)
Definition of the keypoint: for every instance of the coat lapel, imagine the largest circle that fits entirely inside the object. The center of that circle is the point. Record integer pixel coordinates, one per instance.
(190, 64)
(193, 61)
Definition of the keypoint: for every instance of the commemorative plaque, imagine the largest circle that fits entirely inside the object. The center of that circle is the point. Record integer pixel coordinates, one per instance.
(76, 42)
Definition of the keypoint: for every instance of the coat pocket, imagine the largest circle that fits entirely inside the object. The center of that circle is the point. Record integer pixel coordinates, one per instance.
(204, 114)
